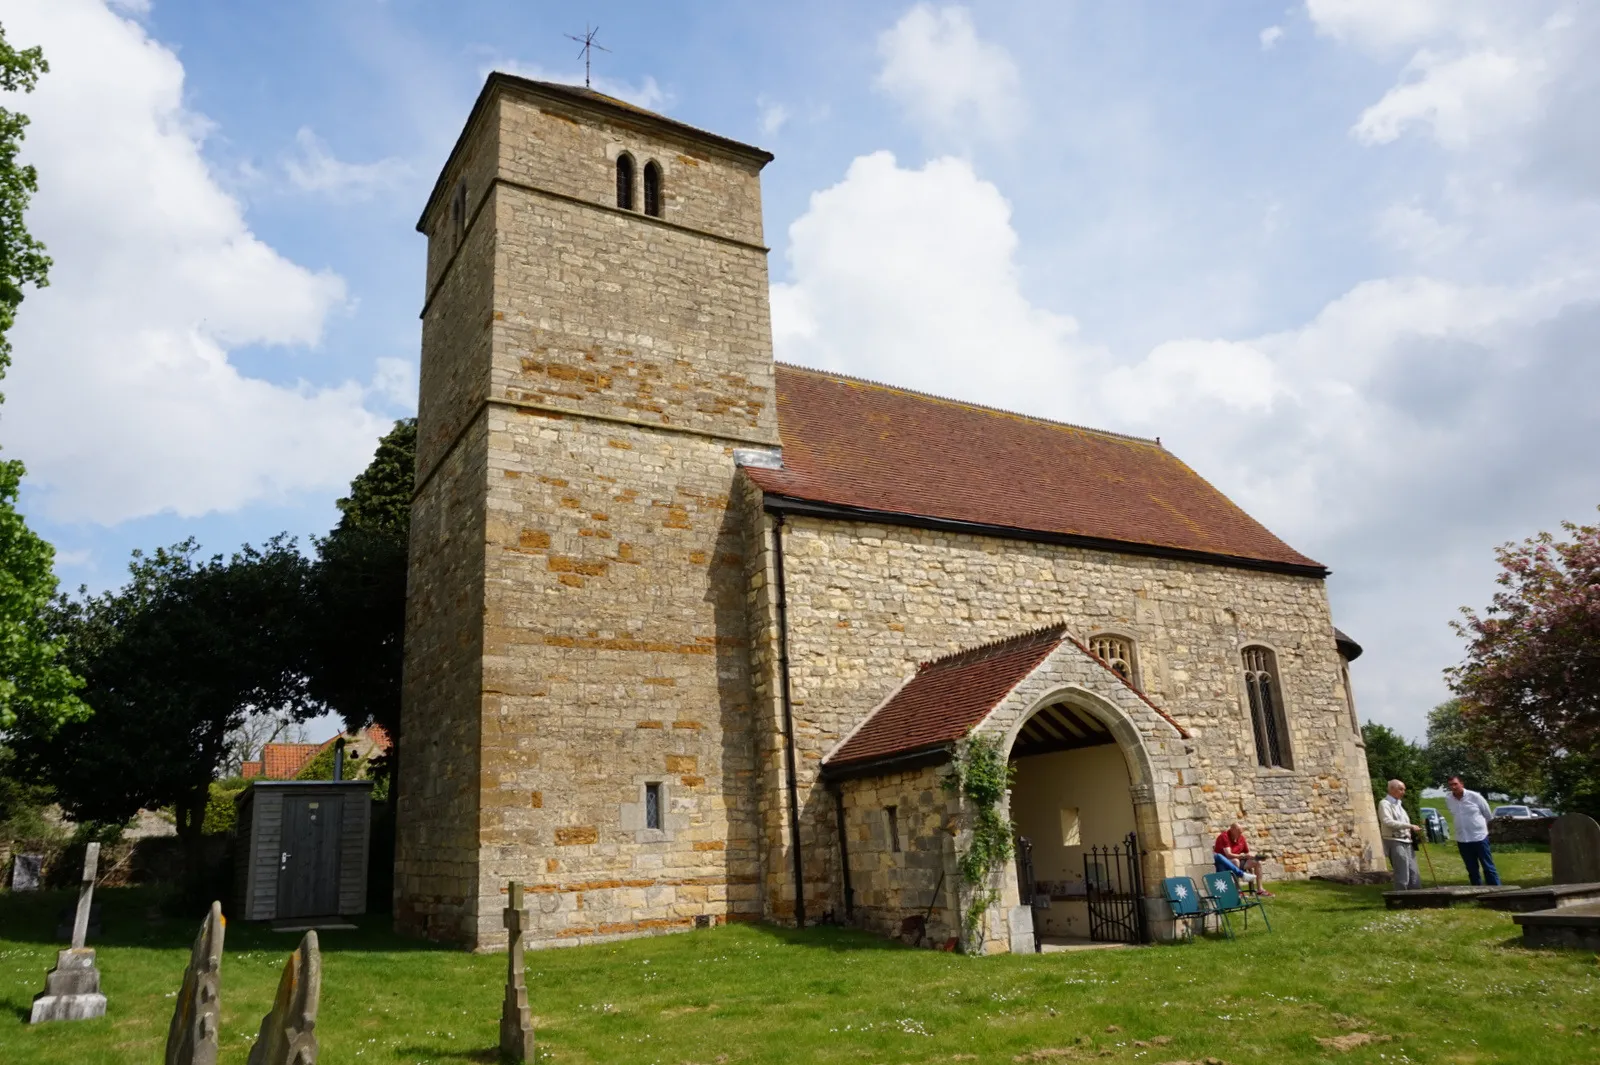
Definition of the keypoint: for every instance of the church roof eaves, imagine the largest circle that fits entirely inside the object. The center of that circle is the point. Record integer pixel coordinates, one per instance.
(861, 450)
(610, 106)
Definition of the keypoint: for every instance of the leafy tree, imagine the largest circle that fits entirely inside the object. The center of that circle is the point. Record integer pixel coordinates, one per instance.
(1390, 756)
(357, 640)
(1530, 683)
(35, 687)
(1452, 751)
(174, 663)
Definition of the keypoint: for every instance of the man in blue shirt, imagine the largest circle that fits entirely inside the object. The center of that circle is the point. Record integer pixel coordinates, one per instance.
(1469, 815)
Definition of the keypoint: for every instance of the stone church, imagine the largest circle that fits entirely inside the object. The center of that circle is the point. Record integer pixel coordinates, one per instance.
(693, 637)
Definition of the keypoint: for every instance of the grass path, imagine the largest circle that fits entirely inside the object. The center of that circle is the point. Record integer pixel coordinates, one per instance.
(1433, 986)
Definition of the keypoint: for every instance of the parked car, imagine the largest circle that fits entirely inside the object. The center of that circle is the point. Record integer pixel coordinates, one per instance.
(1543, 811)
(1433, 824)
(1515, 813)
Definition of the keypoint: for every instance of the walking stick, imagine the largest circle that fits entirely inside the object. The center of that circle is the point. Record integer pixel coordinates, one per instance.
(1428, 855)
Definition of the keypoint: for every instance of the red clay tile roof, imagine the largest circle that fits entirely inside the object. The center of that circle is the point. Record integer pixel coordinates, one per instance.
(853, 443)
(282, 761)
(379, 736)
(947, 697)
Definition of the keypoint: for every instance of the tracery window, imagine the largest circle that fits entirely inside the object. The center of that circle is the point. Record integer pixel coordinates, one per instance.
(1267, 718)
(1117, 652)
(652, 189)
(625, 182)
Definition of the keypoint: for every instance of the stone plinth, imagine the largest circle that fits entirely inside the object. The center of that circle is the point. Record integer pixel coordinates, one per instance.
(71, 990)
(1549, 897)
(1577, 927)
(1440, 898)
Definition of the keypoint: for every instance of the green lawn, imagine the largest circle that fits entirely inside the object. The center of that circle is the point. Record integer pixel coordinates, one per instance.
(1432, 986)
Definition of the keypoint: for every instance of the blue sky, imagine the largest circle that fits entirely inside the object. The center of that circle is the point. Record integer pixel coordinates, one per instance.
(1340, 256)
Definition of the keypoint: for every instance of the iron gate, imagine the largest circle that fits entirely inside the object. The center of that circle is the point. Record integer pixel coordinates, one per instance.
(1115, 892)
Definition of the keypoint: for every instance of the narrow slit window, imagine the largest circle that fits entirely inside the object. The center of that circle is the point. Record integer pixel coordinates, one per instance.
(652, 189)
(1117, 651)
(892, 814)
(458, 209)
(1267, 718)
(1350, 699)
(625, 182)
(652, 806)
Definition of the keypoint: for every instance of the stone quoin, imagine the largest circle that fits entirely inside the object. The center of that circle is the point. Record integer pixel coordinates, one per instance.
(660, 584)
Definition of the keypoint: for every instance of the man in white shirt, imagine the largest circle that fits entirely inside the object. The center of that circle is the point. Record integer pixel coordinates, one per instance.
(1469, 817)
(1395, 826)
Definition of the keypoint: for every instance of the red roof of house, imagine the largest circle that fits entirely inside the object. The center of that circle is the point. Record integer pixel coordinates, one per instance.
(948, 696)
(283, 761)
(857, 444)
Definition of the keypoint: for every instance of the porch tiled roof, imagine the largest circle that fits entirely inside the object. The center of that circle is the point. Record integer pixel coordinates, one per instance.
(947, 697)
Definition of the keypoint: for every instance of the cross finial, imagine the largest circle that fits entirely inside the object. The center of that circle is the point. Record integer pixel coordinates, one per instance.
(587, 40)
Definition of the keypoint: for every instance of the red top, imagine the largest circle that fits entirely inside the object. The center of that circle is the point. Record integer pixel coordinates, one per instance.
(1226, 842)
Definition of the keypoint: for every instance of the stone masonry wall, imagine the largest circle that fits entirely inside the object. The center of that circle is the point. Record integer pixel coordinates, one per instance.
(436, 844)
(920, 876)
(867, 603)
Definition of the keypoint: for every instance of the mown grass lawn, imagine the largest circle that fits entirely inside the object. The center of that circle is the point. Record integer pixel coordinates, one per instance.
(1431, 986)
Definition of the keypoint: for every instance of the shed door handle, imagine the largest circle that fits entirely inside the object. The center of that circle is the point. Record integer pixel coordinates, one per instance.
(283, 861)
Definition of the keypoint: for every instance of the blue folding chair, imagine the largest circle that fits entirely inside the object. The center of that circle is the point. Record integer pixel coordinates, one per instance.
(1186, 903)
(1225, 899)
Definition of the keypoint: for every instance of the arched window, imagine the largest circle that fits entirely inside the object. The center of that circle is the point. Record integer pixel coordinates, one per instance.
(652, 189)
(1117, 652)
(625, 182)
(1266, 707)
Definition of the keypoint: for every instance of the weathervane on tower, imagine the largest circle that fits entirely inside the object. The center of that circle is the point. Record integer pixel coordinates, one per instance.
(587, 40)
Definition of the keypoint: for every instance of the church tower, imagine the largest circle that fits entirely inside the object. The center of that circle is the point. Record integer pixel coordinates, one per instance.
(596, 345)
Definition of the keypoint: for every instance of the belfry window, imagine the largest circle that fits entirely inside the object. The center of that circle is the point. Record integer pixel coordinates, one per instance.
(1267, 718)
(652, 189)
(1117, 652)
(625, 182)
(458, 209)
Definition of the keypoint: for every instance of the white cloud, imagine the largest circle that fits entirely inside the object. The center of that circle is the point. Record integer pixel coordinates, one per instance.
(395, 382)
(1270, 37)
(951, 83)
(316, 169)
(1457, 96)
(1379, 25)
(773, 116)
(123, 400)
(646, 94)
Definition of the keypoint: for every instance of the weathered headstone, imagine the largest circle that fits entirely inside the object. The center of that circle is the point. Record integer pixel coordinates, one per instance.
(72, 989)
(516, 1022)
(1575, 849)
(25, 872)
(192, 1036)
(289, 1033)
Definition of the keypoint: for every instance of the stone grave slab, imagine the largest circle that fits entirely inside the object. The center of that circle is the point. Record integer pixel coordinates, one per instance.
(289, 1033)
(1577, 927)
(26, 870)
(1439, 898)
(1575, 849)
(192, 1036)
(1548, 897)
(72, 989)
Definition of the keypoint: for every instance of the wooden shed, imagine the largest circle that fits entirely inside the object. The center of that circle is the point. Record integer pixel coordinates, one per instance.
(302, 849)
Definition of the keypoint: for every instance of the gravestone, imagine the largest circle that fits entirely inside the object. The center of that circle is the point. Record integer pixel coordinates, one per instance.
(25, 872)
(516, 1022)
(72, 989)
(192, 1036)
(1575, 849)
(289, 1033)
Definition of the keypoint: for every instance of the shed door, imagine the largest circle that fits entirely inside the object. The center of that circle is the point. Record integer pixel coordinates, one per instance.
(308, 873)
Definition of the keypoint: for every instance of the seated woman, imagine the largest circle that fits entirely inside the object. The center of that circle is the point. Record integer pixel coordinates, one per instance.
(1231, 854)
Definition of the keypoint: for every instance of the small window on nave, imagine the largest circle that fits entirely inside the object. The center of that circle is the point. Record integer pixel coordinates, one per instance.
(1117, 652)
(652, 189)
(625, 182)
(1267, 719)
